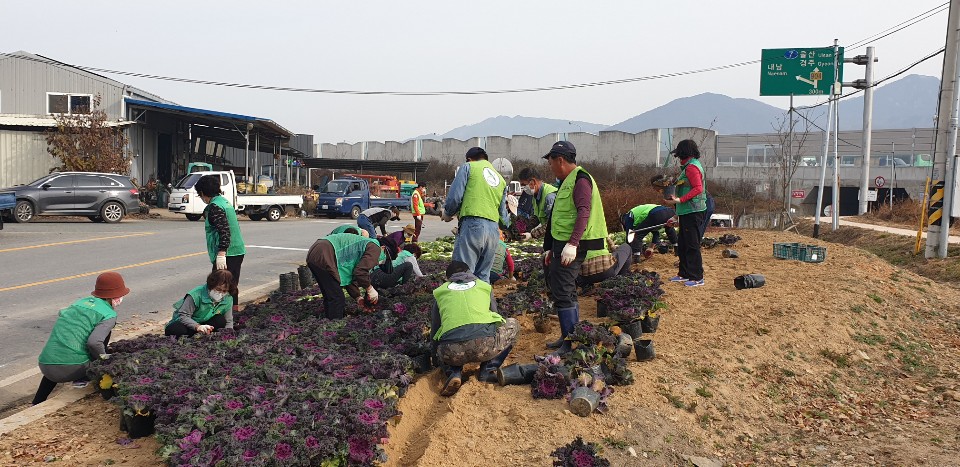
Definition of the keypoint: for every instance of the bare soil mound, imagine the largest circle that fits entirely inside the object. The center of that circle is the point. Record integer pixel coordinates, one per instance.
(847, 362)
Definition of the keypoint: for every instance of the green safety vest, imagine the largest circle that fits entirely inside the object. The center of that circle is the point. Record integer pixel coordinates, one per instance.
(484, 192)
(500, 258)
(205, 308)
(697, 203)
(236, 247)
(463, 303)
(67, 344)
(540, 207)
(403, 255)
(641, 212)
(565, 211)
(348, 248)
(343, 229)
(416, 203)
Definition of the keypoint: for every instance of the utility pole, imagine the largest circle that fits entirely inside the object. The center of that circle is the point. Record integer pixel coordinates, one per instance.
(823, 165)
(867, 85)
(835, 205)
(939, 228)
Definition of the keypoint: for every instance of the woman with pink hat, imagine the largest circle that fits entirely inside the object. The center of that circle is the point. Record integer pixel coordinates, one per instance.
(81, 334)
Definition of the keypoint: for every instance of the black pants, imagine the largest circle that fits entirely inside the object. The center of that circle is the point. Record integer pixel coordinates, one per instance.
(333, 302)
(233, 265)
(561, 279)
(180, 329)
(400, 275)
(658, 216)
(47, 385)
(688, 247)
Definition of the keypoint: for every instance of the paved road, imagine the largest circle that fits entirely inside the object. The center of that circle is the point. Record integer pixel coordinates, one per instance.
(47, 264)
(894, 230)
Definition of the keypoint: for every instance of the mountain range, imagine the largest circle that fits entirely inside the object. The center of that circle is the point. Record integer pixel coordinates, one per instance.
(910, 102)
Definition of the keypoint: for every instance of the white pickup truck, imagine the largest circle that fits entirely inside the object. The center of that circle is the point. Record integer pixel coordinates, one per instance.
(184, 199)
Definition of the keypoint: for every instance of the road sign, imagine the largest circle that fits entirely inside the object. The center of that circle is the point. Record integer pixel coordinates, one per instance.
(872, 195)
(879, 181)
(800, 72)
(798, 194)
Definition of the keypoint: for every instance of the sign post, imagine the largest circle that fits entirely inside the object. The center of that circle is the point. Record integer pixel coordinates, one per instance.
(803, 72)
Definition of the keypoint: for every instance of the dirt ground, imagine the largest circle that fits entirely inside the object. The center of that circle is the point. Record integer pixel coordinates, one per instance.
(847, 362)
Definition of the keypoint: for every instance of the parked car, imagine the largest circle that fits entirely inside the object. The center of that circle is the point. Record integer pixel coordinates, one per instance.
(101, 197)
(184, 199)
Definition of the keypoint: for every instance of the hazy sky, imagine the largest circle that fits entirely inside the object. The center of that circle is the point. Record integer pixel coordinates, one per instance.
(453, 46)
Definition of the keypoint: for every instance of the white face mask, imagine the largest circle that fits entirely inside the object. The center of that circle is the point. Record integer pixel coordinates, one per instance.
(217, 295)
(115, 302)
(528, 189)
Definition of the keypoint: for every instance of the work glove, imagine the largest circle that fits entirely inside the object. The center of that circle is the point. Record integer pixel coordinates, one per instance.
(104, 356)
(205, 328)
(568, 254)
(630, 235)
(525, 236)
(221, 261)
(419, 218)
(372, 295)
(546, 258)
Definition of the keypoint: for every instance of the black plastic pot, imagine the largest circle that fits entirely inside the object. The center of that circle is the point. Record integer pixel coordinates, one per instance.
(644, 349)
(123, 422)
(669, 191)
(139, 426)
(728, 253)
(601, 309)
(542, 326)
(583, 401)
(624, 345)
(108, 393)
(306, 277)
(649, 324)
(516, 374)
(749, 281)
(422, 363)
(634, 329)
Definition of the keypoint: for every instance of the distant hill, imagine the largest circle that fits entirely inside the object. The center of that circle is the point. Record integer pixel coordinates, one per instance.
(910, 102)
(519, 125)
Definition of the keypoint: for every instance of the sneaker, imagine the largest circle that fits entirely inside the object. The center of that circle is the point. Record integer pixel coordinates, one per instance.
(693, 283)
(678, 279)
(81, 383)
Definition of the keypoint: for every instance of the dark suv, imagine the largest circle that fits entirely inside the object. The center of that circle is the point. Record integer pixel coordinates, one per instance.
(99, 196)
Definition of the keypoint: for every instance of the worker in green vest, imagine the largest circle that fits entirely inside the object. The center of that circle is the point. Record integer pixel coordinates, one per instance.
(648, 219)
(345, 260)
(543, 195)
(466, 328)
(81, 334)
(691, 205)
(224, 241)
(577, 225)
(417, 209)
(205, 308)
(478, 196)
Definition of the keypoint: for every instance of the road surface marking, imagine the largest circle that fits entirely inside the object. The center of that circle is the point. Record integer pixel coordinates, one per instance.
(75, 241)
(277, 248)
(94, 273)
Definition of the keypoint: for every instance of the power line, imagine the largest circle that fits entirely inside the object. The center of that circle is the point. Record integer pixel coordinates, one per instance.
(869, 39)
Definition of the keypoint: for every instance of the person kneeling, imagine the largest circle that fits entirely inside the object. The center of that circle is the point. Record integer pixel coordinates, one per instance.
(205, 308)
(466, 327)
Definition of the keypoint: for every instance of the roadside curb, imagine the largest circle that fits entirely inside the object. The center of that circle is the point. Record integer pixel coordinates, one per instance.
(64, 398)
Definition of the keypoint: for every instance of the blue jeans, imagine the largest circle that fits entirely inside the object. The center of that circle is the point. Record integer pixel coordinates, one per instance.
(364, 223)
(476, 245)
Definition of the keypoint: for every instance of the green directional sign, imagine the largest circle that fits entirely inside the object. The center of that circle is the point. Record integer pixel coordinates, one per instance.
(801, 72)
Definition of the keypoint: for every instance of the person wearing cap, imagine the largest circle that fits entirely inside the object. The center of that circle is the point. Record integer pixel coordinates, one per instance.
(465, 327)
(478, 196)
(543, 196)
(417, 208)
(205, 308)
(402, 237)
(80, 334)
(577, 225)
(350, 229)
(343, 261)
(224, 241)
(370, 219)
(691, 206)
(649, 219)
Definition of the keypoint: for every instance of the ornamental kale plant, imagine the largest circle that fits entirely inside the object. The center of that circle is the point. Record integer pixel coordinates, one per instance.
(588, 334)
(552, 379)
(579, 454)
(629, 298)
(285, 388)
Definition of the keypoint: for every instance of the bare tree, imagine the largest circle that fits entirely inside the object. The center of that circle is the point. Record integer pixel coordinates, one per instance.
(84, 142)
(788, 150)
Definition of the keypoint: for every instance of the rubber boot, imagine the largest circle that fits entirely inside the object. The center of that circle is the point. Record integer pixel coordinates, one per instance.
(454, 380)
(568, 319)
(488, 369)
